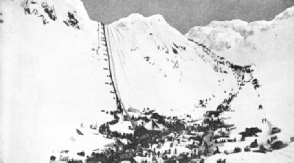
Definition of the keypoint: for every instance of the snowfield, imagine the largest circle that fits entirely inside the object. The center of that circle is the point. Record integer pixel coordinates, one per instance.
(170, 70)
(55, 77)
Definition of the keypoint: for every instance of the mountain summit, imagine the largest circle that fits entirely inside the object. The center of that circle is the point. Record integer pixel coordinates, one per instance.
(62, 72)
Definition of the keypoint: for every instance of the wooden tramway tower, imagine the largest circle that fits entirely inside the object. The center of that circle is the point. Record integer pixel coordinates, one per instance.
(119, 103)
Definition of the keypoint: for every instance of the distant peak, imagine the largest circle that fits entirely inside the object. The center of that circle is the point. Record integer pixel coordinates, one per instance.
(155, 24)
(288, 13)
(135, 18)
(157, 17)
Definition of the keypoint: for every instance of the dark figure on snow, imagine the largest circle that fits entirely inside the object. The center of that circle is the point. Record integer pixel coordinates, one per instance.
(52, 158)
(254, 144)
(217, 150)
(264, 120)
(81, 153)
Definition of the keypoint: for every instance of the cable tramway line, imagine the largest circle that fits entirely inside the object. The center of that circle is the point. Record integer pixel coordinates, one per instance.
(104, 41)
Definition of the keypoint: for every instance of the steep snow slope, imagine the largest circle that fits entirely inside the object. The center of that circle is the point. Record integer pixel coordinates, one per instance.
(51, 79)
(54, 75)
(155, 66)
(267, 45)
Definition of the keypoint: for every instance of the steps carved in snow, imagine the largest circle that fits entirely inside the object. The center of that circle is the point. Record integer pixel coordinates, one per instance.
(243, 74)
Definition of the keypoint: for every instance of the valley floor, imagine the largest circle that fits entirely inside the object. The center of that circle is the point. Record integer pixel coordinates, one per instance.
(149, 137)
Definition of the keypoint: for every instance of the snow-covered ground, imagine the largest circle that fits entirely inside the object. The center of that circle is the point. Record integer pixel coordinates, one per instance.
(53, 77)
(284, 155)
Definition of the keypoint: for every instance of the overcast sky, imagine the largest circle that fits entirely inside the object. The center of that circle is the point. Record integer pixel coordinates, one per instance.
(185, 14)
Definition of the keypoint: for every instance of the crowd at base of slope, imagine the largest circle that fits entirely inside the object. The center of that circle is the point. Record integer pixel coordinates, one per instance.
(157, 138)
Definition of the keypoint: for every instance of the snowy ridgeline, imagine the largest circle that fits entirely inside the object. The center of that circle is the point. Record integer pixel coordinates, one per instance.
(55, 76)
(224, 35)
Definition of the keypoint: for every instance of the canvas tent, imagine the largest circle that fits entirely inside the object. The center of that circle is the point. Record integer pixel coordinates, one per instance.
(133, 110)
(117, 145)
(153, 126)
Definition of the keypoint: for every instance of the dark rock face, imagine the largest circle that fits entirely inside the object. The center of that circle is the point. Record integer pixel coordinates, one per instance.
(72, 21)
(40, 9)
(47, 13)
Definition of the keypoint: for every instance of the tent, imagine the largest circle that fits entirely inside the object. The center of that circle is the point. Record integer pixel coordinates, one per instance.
(133, 110)
(79, 132)
(153, 126)
(117, 145)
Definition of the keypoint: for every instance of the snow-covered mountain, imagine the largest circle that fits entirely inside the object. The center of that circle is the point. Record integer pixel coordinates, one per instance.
(51, 78)
(55, 73)
(267, 45)
(224, 35)
(158, 71)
